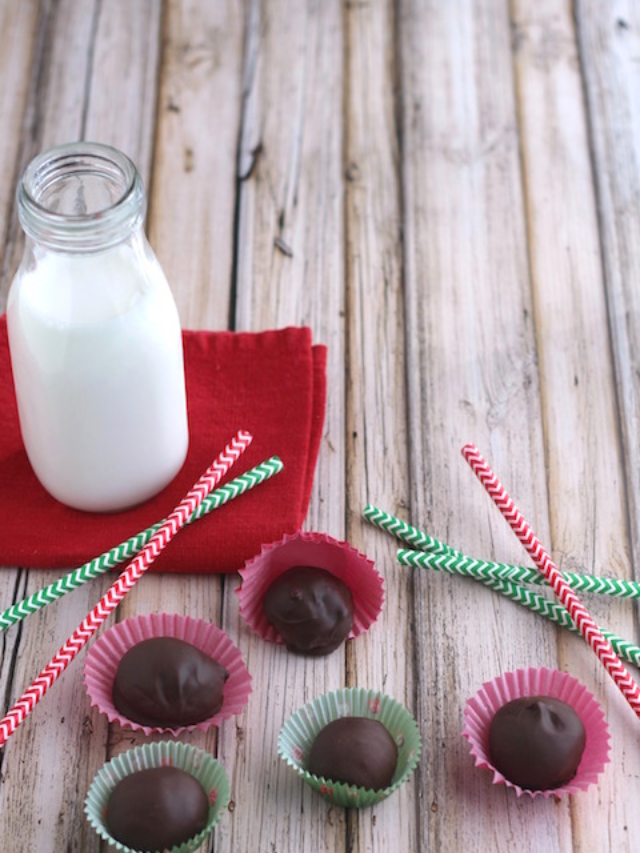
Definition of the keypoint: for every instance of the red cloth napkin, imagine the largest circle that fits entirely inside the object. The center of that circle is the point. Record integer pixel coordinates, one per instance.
(272, 383)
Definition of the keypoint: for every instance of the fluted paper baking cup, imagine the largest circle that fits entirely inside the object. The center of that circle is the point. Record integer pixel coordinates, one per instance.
(482, 707)
(301, 729)
(104, 656)
(191, 759)
(321, 551)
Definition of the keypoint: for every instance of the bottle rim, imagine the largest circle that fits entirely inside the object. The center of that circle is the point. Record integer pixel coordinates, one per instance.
(84, 231)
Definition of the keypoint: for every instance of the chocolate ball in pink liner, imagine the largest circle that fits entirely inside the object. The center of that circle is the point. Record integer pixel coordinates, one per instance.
(165, 681)
(537, 742)
(353, 568)
(311, 609)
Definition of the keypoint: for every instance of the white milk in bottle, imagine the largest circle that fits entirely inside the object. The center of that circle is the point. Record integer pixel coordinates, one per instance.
(94, 335)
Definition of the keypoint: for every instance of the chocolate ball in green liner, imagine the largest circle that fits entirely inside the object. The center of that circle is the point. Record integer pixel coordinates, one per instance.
(355, 750)
(537, 742)
(156, 809)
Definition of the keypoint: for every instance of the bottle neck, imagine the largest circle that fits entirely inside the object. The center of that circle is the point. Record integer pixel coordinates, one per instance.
(81, 197)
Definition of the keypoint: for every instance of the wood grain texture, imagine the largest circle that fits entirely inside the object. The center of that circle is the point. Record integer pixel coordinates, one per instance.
(54, 114)
(472, 376)
(584, 458)
(190, 226)
(54, 105)
(68, 737)
(50, 761)
(608, 39)
(18, 45)
(447, 194)
(193, 198)
(125, 53)
(377, 440)
(200, 70)
(290, 167)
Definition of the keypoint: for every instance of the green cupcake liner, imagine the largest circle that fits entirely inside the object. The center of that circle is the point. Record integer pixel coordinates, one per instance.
(301, 729)
(193, 760)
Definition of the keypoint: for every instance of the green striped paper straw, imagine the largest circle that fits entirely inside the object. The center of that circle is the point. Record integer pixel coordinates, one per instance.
(534, 601)
(507, 585)
(485, 569)
(404, 531)
(127, 550)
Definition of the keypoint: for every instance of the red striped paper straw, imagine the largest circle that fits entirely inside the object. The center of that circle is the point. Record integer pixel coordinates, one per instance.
(126, 581)
(584, 622)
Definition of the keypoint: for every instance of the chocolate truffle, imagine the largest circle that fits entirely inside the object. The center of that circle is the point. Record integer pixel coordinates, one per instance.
(355, 750)
(156, 809)
(168, 682)
(536, 742)
(310, 608)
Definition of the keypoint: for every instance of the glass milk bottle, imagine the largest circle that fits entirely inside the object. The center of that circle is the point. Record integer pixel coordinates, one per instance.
(94, 334)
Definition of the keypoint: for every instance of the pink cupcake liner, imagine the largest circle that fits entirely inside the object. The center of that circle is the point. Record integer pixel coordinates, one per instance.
(343, 561)
(104, 656)
(481, 708)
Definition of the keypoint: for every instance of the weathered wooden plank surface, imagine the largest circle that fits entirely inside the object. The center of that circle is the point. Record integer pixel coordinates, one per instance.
(194, 175)
(448, 195)
(18, 44)
(376, 425)
(72, 92)
(584, 458)
(191, 226)
(18, 40)
(290, 272)
(472, 375)
(608, 38)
